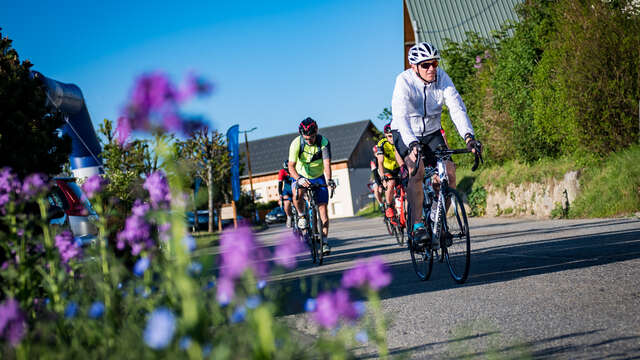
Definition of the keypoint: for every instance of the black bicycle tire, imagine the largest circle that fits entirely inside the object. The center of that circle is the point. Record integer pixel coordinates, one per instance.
(387, 223)
(427, 263)
(459, 276)
(310, 238)
(397, 232)
(320, 236)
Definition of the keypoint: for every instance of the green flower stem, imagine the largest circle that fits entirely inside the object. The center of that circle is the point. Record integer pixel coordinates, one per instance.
(102, 239)
(177, 271)
(48, 243)
(380, 326)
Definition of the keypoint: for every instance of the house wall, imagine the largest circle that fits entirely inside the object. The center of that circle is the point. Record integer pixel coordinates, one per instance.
(360, 171)
(359, 179)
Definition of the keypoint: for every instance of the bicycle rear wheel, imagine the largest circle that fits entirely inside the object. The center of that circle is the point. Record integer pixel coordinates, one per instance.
(422, 259)
(388, 225)
(399, 233)
(456, 242)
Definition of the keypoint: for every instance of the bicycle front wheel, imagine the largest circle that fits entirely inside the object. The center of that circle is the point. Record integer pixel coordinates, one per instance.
(456, 242)
(422, 259)
(319, 236)
(308, 234)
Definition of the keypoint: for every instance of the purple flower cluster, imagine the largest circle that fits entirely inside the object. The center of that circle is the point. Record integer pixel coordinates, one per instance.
(239, 252)
(67, 247)
(94, 185)
(34, 185)
(9, 184)
(330, 307)
(155, 101)
(12, 322)
(372, 273)
(479, 59)
(137, 231)
(158, 187)
(287, 250)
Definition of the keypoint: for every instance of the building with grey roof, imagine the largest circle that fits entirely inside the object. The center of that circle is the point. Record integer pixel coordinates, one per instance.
(436, 20)
(351, 152)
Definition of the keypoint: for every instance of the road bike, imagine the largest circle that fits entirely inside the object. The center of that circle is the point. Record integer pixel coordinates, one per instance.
(398, 226)
(313, 233)
(445, 219)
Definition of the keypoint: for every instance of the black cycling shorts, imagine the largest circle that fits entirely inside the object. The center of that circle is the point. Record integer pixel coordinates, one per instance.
(429, 144)
(376, 177)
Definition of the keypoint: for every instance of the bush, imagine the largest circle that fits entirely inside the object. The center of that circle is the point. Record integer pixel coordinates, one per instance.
(63, 301)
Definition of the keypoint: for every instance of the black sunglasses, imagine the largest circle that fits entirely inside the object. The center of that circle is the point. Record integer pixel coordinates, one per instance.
(427, 65)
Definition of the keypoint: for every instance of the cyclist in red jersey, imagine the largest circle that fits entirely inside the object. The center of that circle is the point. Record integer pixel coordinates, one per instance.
(284, 189)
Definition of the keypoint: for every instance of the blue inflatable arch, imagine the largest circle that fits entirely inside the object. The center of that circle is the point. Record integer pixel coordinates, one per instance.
(85, 158)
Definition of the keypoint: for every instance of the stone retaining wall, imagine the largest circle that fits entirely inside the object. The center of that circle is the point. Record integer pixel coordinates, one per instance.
(533, 199)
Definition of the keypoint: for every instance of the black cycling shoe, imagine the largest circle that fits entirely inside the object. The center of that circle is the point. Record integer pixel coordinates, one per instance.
(419, 236)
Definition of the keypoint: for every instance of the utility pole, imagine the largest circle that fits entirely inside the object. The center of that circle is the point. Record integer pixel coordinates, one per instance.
(253, 196)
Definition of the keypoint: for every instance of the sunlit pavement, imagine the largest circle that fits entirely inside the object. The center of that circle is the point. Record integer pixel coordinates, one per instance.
(546, 289)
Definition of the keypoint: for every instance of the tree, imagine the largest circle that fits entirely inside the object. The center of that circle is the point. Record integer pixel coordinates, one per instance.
(124, 165)
(30, 139)
(211, 162)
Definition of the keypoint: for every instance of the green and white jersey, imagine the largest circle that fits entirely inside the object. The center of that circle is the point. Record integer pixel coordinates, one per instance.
(309, 158)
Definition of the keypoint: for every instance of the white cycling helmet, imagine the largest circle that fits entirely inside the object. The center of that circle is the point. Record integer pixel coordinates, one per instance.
(421, 52)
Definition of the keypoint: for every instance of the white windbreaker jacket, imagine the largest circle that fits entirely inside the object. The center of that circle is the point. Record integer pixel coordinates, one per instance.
(416, 107)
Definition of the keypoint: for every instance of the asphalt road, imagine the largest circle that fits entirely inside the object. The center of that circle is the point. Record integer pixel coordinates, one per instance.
(556, 289)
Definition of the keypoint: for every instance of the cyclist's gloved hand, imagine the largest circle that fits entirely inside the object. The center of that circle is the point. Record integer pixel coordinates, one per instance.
(476, 145)
(404, 173)
(303, 181)
(331, 183)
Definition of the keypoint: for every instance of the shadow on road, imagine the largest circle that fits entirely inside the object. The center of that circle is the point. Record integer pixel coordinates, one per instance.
(488, 265)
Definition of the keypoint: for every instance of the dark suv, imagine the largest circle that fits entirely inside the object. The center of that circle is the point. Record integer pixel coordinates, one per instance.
(78, 212)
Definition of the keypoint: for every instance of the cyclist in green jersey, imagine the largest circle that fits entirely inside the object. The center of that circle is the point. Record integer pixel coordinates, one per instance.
(310, 163)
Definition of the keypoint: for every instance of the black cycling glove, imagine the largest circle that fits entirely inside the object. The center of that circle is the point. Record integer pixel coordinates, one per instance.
(475, 144)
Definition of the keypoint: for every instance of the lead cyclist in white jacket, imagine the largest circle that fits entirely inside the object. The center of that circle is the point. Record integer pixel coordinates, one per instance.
(416, 106)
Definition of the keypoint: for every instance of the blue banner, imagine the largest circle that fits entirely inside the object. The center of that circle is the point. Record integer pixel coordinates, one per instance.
(232, 145)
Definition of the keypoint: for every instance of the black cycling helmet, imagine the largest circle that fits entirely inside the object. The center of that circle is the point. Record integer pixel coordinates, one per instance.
(308, 127)
(387, 128)
(285, 164)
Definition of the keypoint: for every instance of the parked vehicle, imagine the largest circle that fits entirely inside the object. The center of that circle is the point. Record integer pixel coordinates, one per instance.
(203, 220)
(78, 213)
(276, 215)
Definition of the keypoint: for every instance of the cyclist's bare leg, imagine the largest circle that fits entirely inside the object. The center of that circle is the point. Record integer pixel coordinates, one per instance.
(298, 200)
(414, 191)
(378, 194)
(451, 173)
(391, 186)
(324, 216)
(287, 206)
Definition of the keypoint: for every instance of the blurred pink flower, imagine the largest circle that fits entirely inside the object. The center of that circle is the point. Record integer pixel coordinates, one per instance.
(240, 252)
(137, 231)
(123, 129)
(67, 247)
(372, 272)
(287, 249)
(93, 185)
(158, 187)
(12, 322)
(333, 306)
(155, 102)
(33, 185)
(225, 290)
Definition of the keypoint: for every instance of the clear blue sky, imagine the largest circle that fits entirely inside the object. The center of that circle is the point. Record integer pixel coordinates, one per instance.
(272, 63)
